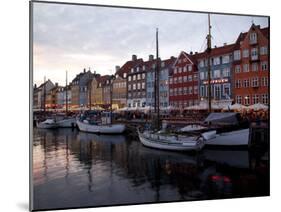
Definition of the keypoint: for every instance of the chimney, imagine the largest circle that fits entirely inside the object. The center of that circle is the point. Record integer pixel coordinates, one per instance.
(84, 70)
(56, 84)
(117, 68)
(191, 53)
(196, 52)
(134, 57)
(215, 46)
(150, 57)
(224, 44)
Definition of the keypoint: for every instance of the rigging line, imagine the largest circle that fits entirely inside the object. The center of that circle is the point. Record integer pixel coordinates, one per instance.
(203, 44)
(218, 29)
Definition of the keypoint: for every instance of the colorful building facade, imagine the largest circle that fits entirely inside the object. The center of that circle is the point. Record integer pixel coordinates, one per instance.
(251, 67)
(183, 81)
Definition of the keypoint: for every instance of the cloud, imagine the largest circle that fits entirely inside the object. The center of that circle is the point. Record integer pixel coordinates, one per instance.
(73, 37)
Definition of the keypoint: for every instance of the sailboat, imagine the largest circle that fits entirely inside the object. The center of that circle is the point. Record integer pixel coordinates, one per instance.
(160, 139)
(58, 121)
(90, 121)
(225, 139)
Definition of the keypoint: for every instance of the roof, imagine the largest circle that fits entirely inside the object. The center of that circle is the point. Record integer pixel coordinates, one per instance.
(216, 51)
(127, 67)
(102, 79)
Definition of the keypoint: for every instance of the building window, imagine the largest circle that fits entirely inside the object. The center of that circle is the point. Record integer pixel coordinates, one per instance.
(225, 59)
(255, 67)
(175, 70)
(185, 90)
(264, 98)
(254, 54)
(264, 81)
(139, 76)
(189, 78)
(202, 75)
(175, 80)
(179, 79)
(216, 61)
(143, 85)
(134, 77)
(134, 86)
(190, 68)
(217, 91)
(237, 55)
(202, 89)
(195, 77)
(245, 67)
(255, 99)
(129, 87)
(226, 90)
(171, 80)
(264, 66)
(246, 83)
(190, 90)
(255, 82)
(263, 50)
(246, 100)
(238, 84)
(253, 38)
(180, 69)
(239, 99)
(226, 72)
(245, 53)
(184, 69)
(184, 78)
(143, 75)
(217, 73)
(201, 63)
(195, 90)
(237, 69)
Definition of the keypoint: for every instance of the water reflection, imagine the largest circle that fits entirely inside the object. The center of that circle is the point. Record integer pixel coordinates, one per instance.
(73, 169)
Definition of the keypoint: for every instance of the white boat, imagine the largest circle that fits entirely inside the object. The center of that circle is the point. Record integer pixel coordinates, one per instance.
(171, 142)
(66, 122)
(233, 138)
(47, 124)
(192, 128)
(100, 128)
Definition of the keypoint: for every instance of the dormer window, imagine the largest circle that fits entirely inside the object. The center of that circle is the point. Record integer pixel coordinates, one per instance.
(132, 70)
(253, 38)
(143, 67)
(124, 75)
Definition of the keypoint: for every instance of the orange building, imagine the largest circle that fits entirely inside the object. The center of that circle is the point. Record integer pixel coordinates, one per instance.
(251, 66)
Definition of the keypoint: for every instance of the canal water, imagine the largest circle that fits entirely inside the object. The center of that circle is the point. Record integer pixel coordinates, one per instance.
(77, 169)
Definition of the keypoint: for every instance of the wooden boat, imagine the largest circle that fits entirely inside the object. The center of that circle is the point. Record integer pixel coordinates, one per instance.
(100, 128)
(103, 126)
(47, 124)
(233, 138)
(171, 142)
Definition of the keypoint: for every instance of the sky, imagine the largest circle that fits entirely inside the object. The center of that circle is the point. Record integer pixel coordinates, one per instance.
(72, 37)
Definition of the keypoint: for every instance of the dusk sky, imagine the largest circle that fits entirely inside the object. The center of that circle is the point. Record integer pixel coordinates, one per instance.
(71, 37)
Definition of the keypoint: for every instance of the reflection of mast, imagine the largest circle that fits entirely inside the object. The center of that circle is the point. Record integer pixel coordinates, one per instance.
(67, 157)
(45, 156)
(208, 50)
(66, 95)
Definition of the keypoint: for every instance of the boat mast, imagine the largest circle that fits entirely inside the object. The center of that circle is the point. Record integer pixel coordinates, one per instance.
(66, 95)
(44, 96)
(90, 94)
(157, 83)
(208, 51)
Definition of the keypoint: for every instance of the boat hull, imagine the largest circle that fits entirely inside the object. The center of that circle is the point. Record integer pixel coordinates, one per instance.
(67, 123)
(236, 138)
(191, 145)
(102, 129)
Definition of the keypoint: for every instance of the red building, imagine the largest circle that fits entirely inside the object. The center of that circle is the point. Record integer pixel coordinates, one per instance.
(183, 81)
(251, 67)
